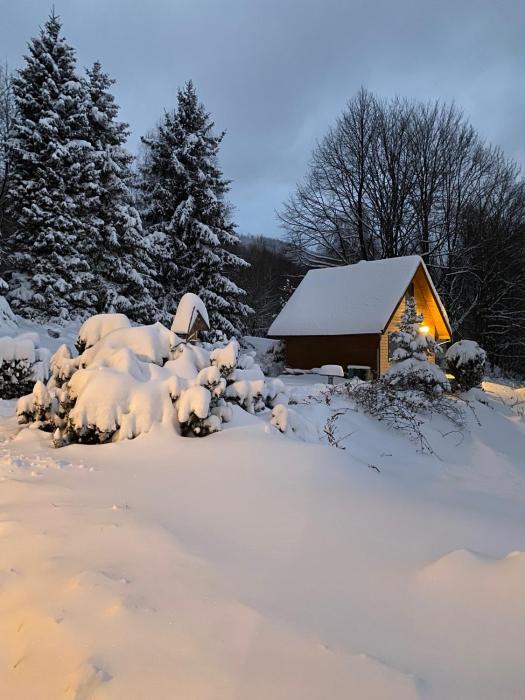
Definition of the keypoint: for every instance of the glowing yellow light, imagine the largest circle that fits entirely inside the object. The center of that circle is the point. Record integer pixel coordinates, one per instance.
(424, 329)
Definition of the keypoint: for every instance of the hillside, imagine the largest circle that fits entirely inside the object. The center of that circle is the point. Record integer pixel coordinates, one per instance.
(251, 565)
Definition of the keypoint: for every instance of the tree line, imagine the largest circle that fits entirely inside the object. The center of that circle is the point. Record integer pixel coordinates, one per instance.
(399, 177)
(83, 231)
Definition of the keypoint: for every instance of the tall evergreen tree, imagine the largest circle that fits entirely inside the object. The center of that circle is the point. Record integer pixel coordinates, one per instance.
(52, 186)
(122, 262)
(184, 191)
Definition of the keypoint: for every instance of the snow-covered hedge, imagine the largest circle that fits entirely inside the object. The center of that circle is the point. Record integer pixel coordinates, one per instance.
(22, 363)
(466, 361)
(130, 378)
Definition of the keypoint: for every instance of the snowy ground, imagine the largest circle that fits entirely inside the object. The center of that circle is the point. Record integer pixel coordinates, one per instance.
(250, 566)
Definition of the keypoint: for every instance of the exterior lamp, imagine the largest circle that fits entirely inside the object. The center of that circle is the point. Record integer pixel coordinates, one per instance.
(424, 329)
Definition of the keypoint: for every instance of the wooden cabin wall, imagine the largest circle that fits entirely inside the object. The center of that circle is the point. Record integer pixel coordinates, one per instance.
(424, 305)
(306, 352)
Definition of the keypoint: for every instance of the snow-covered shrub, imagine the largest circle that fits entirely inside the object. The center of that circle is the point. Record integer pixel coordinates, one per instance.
(22, 363)
(98, 326)
(269, 354)
(225, 357)
(35, 407)
(401, 408)
(62, 365)
(410, 368)
(246, 384)
(417, 374)
(154, 344)
(466, 361)
(134, 378)
(291, 423)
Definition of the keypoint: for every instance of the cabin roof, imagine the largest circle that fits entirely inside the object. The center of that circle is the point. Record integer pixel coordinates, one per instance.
(189, 308)
(353, 299)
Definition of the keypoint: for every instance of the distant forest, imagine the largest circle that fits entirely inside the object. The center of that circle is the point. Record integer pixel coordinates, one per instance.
(269, 281)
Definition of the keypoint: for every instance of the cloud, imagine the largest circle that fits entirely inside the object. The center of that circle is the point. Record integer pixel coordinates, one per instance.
(276, 73)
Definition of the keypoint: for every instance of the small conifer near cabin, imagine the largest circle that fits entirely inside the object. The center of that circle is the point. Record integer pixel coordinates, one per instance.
(409, 341)
(410, 368)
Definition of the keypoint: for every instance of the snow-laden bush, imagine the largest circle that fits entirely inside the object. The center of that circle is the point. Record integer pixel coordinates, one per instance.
(96, 327)
(269, 354)
(410, 368)
(416, 374)
(134, 378)
(35, 407)
(246, 384)
(402, 409)
(22, 363)
(292, 424)
(466, 361)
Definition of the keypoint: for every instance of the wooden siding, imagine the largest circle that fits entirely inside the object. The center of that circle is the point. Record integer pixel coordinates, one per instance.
(426, 305)
(307, 351)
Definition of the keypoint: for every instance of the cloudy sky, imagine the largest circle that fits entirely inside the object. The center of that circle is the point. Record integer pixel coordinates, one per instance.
(276, 73)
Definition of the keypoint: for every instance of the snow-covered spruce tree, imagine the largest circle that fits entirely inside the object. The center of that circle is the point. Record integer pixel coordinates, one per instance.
(121, 259)
(7, 113)
(52, 186)
(184, 194)
(410, 368)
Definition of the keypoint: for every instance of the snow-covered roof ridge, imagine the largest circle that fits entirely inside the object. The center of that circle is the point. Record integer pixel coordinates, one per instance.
(352, 299)
(188, 308)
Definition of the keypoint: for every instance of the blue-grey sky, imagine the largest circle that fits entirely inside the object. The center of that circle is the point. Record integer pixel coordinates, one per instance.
(276, 73)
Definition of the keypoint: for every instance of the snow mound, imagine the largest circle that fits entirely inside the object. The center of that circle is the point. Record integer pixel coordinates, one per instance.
(225, 358)
(465, 569)
(96, 327)
(329, 371)
(153, 343)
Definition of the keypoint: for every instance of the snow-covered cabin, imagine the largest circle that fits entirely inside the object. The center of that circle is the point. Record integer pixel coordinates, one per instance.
(345, 315)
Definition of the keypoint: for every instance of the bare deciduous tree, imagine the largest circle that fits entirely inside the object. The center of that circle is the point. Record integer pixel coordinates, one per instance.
(397, 177)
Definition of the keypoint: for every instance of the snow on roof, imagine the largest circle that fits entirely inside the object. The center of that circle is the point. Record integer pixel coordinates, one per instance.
(187, 309)
(352, 299)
